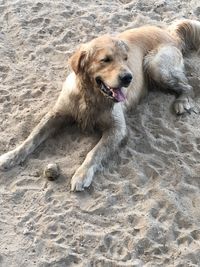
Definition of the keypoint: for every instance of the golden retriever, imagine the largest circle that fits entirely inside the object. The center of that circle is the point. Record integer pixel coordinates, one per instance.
(109, 75)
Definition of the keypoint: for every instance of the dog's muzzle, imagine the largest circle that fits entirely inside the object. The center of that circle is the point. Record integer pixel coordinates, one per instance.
(116, 94)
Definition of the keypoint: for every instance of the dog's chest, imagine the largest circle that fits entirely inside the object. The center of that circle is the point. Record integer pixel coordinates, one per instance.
(86, 115)
(89, 114)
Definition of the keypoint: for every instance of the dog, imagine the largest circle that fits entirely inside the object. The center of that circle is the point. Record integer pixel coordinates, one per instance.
(110, 74)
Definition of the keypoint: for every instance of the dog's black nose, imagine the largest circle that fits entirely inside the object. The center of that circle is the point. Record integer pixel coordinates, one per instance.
(125, 79)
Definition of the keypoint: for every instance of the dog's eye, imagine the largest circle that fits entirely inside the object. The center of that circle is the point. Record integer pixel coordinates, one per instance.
(106, 59)
(126, 58)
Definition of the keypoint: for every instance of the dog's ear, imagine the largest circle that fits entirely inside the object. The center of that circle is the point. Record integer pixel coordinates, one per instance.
(124, 45)
(78, 60)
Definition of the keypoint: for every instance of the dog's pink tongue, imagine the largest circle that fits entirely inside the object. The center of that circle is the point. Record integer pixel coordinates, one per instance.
(118, 95)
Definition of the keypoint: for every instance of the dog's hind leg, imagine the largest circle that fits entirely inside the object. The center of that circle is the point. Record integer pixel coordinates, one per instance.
(165, 66)
(46, 127)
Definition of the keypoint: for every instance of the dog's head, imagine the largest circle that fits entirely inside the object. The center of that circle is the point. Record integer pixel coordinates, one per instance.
(104, 62)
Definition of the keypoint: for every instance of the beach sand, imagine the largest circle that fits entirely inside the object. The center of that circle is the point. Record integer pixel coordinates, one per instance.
(144, 209)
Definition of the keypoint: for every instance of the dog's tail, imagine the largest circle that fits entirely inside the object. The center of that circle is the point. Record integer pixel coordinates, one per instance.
(188, 33)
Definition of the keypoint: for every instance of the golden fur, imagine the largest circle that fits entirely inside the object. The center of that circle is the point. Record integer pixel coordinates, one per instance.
(109, 75)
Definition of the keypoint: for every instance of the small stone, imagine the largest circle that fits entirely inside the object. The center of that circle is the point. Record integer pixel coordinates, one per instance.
(51, 171)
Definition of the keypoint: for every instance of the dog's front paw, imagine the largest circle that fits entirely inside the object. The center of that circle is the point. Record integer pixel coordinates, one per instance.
(81, 179)
(7, 161)
(4, 162)
(183, 105)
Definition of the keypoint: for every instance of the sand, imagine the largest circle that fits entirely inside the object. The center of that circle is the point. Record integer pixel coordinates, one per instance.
(144, 209)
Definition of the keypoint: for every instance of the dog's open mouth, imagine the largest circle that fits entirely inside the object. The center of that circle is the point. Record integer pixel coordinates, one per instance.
(115, 94)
